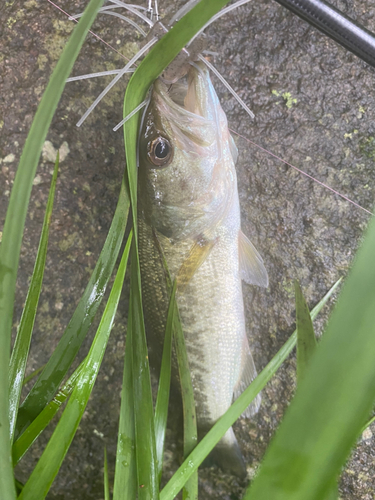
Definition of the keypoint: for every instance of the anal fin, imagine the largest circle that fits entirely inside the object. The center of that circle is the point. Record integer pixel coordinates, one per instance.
(247, 375)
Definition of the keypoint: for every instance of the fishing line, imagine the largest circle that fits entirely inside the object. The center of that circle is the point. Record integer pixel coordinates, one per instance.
(115, 6)
(109, 9)
(327, 19)
(91, 32)
(302, 172)
(142, 120)
(117, 78)
(181, 12)
(96, 75)
(358, 31)
(126, 19)
(218, 15)
(135, 11)
(224, 82)
(132, 113)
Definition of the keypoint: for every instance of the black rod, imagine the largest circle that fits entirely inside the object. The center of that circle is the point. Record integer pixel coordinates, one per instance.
(336, 25)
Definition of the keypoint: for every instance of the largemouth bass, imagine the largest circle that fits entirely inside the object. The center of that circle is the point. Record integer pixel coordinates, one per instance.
(189, 212)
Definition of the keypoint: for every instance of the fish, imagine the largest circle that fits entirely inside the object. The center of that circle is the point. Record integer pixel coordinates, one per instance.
(189, 215)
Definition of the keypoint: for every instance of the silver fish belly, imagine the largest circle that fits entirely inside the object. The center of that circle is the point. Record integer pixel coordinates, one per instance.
(189, 211)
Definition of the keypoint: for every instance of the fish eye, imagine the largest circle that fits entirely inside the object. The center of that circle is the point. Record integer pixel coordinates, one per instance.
(160, 151)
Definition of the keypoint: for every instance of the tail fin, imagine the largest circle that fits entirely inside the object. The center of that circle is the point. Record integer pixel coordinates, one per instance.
(227, 455)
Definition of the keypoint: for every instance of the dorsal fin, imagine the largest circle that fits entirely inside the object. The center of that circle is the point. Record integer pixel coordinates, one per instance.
(252, 269)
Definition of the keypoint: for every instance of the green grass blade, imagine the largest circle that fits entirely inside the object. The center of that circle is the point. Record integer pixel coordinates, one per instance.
(19, 486)
(210, 440)
(37, 426)
(162, 400)
(32, 375)
(334, 398)
(306, 346)
(147, 474)
(48, 466)
(150, 68)
(306, 340)
(368, 423)
(333, 492)
(190, 490)
(20, 351)
(106, 479)
(69, 344)
(125, 484)
(15, 221)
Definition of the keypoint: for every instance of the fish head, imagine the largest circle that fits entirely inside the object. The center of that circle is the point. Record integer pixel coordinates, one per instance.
(186, 157)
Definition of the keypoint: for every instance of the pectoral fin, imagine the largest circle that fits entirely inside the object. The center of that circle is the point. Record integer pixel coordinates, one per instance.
(197, 255)
(252, 269)
(247, 375)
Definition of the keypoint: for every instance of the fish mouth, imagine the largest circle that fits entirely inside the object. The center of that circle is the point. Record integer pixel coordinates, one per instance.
(190, 92)
(189, 108)
(178, 91)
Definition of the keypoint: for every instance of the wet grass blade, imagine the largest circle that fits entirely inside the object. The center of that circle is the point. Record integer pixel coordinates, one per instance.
(14, 225)
(48, 466)
(37, 426)
(306, 340)
(368, 423)
(306, 346)
(334, 398)
(210, 440)
(147, 474)
(21, 347)
(32, 375)
(190, 490)
(162, 400)
(125, 483)
(106, 479)
(19, 486)
(69, 344)
(150, 68)
(333, 492)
